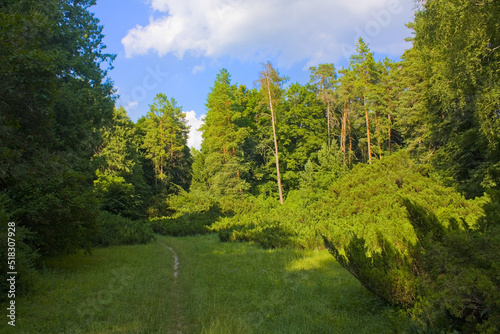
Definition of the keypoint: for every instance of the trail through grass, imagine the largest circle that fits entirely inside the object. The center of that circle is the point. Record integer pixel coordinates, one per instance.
(220, 288)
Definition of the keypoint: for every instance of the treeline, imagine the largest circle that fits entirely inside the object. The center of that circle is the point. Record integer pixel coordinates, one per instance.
(75, 172)
(393, 166)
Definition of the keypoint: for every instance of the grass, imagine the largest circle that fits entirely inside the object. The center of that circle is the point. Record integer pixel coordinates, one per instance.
(123, 289)
(221, 288)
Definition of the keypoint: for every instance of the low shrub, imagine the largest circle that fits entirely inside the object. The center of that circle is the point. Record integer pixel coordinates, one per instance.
(113, 230)
(272, 225)
(26, 258)
(185, 224)
(448, 280)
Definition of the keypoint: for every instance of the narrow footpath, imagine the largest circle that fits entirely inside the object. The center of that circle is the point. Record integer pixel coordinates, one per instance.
(175, 291)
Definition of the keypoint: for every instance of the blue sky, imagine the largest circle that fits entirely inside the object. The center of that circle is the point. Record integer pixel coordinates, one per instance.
(177, 47)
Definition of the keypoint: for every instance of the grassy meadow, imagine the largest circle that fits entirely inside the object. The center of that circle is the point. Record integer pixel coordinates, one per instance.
(220, 288)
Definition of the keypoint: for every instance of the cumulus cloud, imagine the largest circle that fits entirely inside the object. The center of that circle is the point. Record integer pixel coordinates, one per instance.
(194, 139)
(292, 30)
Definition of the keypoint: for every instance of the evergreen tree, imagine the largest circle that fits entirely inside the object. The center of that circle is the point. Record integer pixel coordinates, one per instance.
(365, 71)
(120, 183)
(54, 99)
(223, 136)
(456, 44)
(165, 142)
(324, 77)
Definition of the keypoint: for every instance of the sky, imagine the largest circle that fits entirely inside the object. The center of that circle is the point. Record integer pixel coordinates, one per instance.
(177, 47)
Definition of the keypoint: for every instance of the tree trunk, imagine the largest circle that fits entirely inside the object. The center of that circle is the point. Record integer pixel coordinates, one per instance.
(350, 142)
(379, 135)
(390, 139)
(343, 136)
(368, 130)
(328, 124)
(275, 141)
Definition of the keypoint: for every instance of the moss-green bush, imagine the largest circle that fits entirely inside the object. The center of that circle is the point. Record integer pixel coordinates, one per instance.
(185, 224)
(26, 258)
(272, 225)
(448, 280)
(113, 230)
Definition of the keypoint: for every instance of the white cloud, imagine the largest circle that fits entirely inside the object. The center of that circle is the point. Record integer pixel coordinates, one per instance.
(198, 69)
(131, 105)
(195, 123)
(293, 30)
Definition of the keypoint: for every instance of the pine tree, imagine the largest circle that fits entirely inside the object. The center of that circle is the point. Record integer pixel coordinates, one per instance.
(223, 136)
(364, 67)
(324, 77)
(165, 142)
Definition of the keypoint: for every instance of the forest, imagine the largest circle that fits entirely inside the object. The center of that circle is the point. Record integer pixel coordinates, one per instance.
(392, 166)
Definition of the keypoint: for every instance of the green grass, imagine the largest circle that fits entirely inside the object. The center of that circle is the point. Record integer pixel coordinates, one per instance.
(221, 288)
(123, 289)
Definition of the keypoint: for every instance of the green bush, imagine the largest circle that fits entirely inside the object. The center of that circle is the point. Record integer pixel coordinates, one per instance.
(418, 244)
(26, 258)
(192, 223)
(448, 280)
(272, 225)
(113, 230)
(370, 200)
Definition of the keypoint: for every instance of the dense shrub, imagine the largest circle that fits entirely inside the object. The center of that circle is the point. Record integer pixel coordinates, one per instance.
(370, 201)
(185, 224)
(116, 230)
(272, 225)
(417, 244)
(26, 258)
(448, 280)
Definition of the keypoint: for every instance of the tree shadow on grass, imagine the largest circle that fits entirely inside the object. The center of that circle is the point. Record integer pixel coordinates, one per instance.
(241, 288)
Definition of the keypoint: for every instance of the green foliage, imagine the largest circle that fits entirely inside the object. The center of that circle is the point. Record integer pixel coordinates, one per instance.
(221, 168)
(191, 213)
(54, 202)
(447, 280)
(55, 98)
(26, 257)
(302, 132)
(318, 177)
(192, 223)
(456, 50)
(114, 230)
(272, 225)
(116, 196)
(120, 184)
(165, 143)
(369, 201)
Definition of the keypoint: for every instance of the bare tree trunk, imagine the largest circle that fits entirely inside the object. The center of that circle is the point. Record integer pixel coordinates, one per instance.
(328, 124)
(390, 139)
(350, 142)
(368, 130)
(343, 136)
(379, 135)
(275, 141)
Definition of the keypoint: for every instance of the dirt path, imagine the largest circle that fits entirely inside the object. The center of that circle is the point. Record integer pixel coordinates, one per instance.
(175, 291)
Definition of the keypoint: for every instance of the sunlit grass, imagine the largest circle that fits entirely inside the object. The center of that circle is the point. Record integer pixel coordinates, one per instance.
(116, 290)
(221, 288)
(240, 288)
